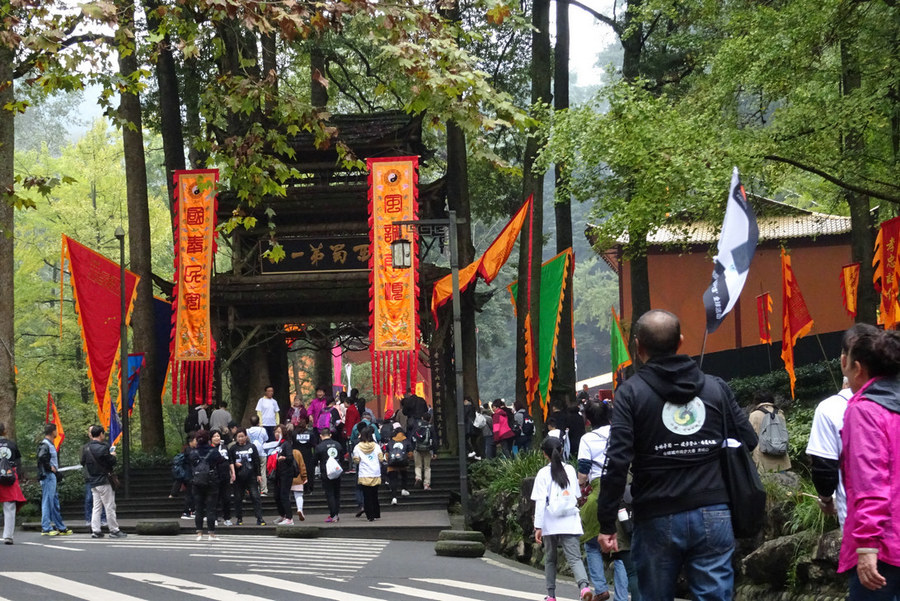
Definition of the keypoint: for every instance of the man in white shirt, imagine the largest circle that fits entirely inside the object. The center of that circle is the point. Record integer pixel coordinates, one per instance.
(824, 449)
(258, 436)
(267, 410)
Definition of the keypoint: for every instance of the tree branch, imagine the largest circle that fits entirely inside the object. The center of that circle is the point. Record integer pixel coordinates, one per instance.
(29, 62)
(834, 180)
(599, 16)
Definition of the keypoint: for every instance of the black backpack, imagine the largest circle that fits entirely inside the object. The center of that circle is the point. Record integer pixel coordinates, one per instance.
(192, 421)
(397, 454)
(7, 472)
(528, 426)
(203, 474)
(422, 438)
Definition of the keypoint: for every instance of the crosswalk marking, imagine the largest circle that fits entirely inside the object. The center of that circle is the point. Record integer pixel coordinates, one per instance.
(308, 566)
(187, 587)
(57, 547)
(298, 587)
(482, 588)
(72, 588)
(419, 593)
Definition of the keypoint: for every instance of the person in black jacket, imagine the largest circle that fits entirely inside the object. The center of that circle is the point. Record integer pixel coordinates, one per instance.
(11, 496)
(98, 462)
(330, 449)
(667, 427)
(284, 473)
(204, 462)
(244, 459)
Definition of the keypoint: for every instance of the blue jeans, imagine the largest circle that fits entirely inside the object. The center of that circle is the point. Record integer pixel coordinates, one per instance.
(50, 511)
(889, 592)
(699, 540)
(625, 578)
(594, 558)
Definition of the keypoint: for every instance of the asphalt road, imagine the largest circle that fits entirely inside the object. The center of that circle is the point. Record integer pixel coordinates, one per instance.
(255, 568)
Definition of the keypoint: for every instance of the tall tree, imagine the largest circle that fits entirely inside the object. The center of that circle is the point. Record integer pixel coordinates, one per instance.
(142, 318)
(531, 247)
(564, 378)
(7, 224)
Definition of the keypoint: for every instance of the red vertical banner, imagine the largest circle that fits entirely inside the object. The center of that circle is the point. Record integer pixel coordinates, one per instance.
(96, 287)
(763, 311)
(796, 321)
(193, 347)
(52, 417)
(393, 293)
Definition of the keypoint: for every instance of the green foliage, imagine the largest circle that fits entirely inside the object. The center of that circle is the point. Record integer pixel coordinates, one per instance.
(815, 382)
(504, 475)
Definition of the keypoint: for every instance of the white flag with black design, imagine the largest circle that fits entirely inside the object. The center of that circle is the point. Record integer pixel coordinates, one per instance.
(737, 244)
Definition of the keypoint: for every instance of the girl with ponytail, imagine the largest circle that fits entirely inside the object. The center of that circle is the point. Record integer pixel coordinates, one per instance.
(557, 522)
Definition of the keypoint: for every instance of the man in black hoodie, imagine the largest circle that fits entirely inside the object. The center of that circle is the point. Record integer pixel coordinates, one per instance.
(667, 426)
(98, 462)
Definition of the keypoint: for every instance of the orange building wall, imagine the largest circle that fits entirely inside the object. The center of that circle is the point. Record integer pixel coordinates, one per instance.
(677, 283)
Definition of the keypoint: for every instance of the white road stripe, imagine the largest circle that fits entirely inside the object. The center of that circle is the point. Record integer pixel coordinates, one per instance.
(483, 588)
(53, 547)
(500, 564)
(419, 593)
(299, 588)
(185, 587)
(317, 566)
(69, 587)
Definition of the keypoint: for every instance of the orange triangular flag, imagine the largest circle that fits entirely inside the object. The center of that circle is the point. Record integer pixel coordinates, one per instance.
(796, 321)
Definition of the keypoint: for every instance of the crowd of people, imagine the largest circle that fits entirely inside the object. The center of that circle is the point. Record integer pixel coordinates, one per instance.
(651, 490)
(646, 492)
(323, 440)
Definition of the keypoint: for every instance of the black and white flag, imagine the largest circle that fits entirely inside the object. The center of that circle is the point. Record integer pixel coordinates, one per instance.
(737, 244)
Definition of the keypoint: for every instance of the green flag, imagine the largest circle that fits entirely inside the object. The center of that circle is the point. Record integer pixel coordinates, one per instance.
(553, 285)
(618, 349)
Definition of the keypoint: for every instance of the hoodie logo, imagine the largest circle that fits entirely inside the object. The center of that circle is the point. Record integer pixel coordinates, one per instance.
(686, 419)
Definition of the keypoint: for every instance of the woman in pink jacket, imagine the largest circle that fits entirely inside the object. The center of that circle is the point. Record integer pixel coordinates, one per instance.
(870, 462)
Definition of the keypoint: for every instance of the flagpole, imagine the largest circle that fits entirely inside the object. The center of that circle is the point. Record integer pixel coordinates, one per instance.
(703, 349)
(824, 354)
(123, 366)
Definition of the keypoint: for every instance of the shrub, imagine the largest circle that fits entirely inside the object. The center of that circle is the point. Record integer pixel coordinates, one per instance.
(814, 383)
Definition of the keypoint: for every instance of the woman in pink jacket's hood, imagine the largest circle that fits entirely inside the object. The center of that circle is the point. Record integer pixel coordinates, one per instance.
(870, 463)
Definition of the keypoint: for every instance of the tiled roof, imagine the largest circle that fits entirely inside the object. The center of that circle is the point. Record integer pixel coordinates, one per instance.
(784, 227)
(776, 221)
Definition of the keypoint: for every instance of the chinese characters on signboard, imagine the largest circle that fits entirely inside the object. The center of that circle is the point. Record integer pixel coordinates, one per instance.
(316, 254)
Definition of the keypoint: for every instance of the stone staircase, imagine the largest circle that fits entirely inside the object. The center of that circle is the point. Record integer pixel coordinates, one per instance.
(150, 487)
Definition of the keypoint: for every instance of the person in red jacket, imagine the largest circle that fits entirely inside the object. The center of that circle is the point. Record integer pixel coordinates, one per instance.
(351, 417)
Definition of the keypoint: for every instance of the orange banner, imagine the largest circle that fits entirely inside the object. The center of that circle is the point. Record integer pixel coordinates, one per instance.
(796, 321)
(393, 196)
(487, 265)
(193, 347)
(849, 286)
(763, 310)
(887, 271)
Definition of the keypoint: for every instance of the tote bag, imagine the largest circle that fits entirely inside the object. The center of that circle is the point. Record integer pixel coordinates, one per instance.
(745, 490)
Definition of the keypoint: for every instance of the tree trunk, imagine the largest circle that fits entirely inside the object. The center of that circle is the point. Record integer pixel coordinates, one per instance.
(533, 185)
(7, 265)
(564, 378)
(458, 200)
(169, 103)
(258, 380)
(276, 351)
(318, 94)
(269, 60)
(192, 114)
(142, 319)
(862, 241)
(322, 370)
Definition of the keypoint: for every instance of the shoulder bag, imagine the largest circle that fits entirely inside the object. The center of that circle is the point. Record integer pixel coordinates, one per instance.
(745, 490)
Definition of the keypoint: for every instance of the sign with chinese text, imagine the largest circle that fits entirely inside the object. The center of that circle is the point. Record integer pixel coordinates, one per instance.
(193, 348)
(393, 196)
(887, 271)
(318, 254)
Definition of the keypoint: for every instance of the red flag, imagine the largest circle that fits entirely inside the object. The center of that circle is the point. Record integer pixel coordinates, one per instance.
(796, 321)
(96, 287)
(51, 410)
(763, 310)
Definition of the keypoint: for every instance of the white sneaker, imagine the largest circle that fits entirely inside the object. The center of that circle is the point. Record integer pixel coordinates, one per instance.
(472, 454)
(213, 537)
(287, 522)
(404, 492)
(394, 501)
(228, 523)
(199, 536)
